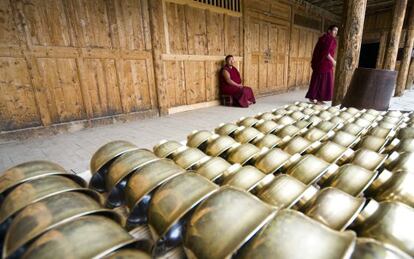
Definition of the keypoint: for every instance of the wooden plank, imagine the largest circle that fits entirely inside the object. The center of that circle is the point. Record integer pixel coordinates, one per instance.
(195, 84)
(8, 28)
(173, 57)
(178, 35)
(232, 36)
(198, 5)
(215, 39)
(175, 83)
(196, 31)
(192, 107)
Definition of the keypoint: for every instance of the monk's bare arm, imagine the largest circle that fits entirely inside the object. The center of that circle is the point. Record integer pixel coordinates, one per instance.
(331, 59)
(228, 79)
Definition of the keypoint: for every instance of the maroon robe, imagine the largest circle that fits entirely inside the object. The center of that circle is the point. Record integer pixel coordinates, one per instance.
(321, 84)
(242, 95)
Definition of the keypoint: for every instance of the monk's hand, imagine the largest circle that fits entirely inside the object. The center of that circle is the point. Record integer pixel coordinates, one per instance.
(334, 63)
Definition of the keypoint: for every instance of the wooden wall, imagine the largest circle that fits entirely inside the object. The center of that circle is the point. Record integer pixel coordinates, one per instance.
(70, 60)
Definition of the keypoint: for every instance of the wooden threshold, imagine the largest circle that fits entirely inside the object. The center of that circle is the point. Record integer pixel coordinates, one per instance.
(191, 107)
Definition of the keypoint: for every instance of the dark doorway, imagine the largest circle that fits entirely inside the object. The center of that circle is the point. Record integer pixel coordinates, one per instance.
(368, 55)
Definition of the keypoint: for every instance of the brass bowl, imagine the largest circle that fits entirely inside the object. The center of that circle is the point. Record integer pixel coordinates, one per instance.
(198, 139)
(354, 129)
(366, 248)
(47, 214)
(297, 115)
(281, 112)
(268, 141)
(213, 168)
(299, 145)
(302, 124)
(242, 153)
(26, 172)
(334, 208)
(309, 169)
(392, 120)
(401, 162)
(345, 139)
(374, 112)
(287, 192)
(315, 120)
(165, 148)
(143, 182)
(88, 237)
(353, 111)
(347, 116)
(128, 254)
(293, 235)
(246, 135)
(382, 132)
(188, 157)
(337, 120)
(171, 205)
(406, 133)
(267, 116)
(285, 120)
(389, 223)
(219, 145)
(226, 129)
(368, 159)
(399, 187)
(120, 170)
(366, 124)
(319, 107)
(352, 179)
(37, 190)
(294, 108)
(373, 143)
(315, 134)
(405, 145)
(396, 114)
(248, 178)
(270, 161)
(220, 226)
(267, 127)
(328, 126)
(370, 117)
(334, 153)
(325, 115)
(310, 111)
(289, 131)
(247, 121)
(387, 125)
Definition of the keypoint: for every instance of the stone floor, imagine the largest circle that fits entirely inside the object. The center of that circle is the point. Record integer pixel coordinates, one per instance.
(74, 150)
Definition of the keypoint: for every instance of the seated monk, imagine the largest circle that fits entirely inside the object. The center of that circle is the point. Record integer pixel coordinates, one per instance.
(230, 84)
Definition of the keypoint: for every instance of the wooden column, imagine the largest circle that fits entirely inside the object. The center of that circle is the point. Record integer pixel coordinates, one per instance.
(158, 46)
(395, 33)
(410, 77)
(405, 63)
(349, 46)
(381, 51)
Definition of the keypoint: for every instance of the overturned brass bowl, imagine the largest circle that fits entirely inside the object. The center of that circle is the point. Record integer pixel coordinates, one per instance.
(334, 208)
(285, 120)
(299, 145)
(293, 107)
(371, 248)
(188, 157)
(267, 116)
(325, 115)
(302, 124)
(286, 192)
(309, 169)
(246, 135)
(310, 111)
(247, 121)
(297, 115)
(368, 159)
(406, 133)
(281, 111)
(319, 107)
(401, 162)
(128, 253)
(293, 235)
(328, 126)
(269, 141)
(270, 161)
(392, 120)
(143, 182)
(374, 112)
(28, 171)
(337, 120)
(345, 139)
(315, 120)
(387, 125)
(347, 116)
(382, 132)
(373, 143)
(213, 168)
(165, 148)
(247, 178)
(47, 214)
(36, 190)
(353, 111)
(289, 131)
(354, 129)
(267, 127)
(108, 152)
(388, 222)
(226, 129)
(119, 171)
(242, 153)
(399, 187)
(334, 153)
(366, 124)
(352, 179)
(205, 237)
(170, 204)
(88, 237)
(219, 145)
(396, 114)
(315, 134)
(370, 117)
(198, 139)
(405, 145)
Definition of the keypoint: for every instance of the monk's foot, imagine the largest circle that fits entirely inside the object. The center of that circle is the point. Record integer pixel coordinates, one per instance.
(321, 102)
(312, 101)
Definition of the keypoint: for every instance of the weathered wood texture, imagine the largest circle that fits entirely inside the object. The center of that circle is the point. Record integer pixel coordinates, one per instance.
(349, 47)
(406, 59)
(391, 50)
(410, 77)
(68, 60)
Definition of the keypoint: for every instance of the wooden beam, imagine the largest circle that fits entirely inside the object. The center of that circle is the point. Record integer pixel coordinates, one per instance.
(410, 78)
(405, 62)
(395, 34)
(381, 51)
(349, 46)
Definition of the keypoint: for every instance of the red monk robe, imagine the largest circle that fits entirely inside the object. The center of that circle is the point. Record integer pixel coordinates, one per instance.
(321, 85)
(230, 84)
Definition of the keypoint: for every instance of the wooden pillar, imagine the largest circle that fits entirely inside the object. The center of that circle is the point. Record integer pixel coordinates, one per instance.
(158, 47)
(405, 63)
(410, 77)
(395, 34)
(381, 51)
(349, 46)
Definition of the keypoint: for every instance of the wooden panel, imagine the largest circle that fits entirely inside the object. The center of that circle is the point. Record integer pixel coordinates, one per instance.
(215, 39)
(232, 35)
(176, 28)
(8, 28)
(17, 102)
(175, 83)
(213, 69)
(196, 31)
(195, 82)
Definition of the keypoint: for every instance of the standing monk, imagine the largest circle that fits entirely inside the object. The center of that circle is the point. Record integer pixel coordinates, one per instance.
(321, 85)
(230, 84)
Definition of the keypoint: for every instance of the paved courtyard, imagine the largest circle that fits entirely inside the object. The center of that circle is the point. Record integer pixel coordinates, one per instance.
(74, 150)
